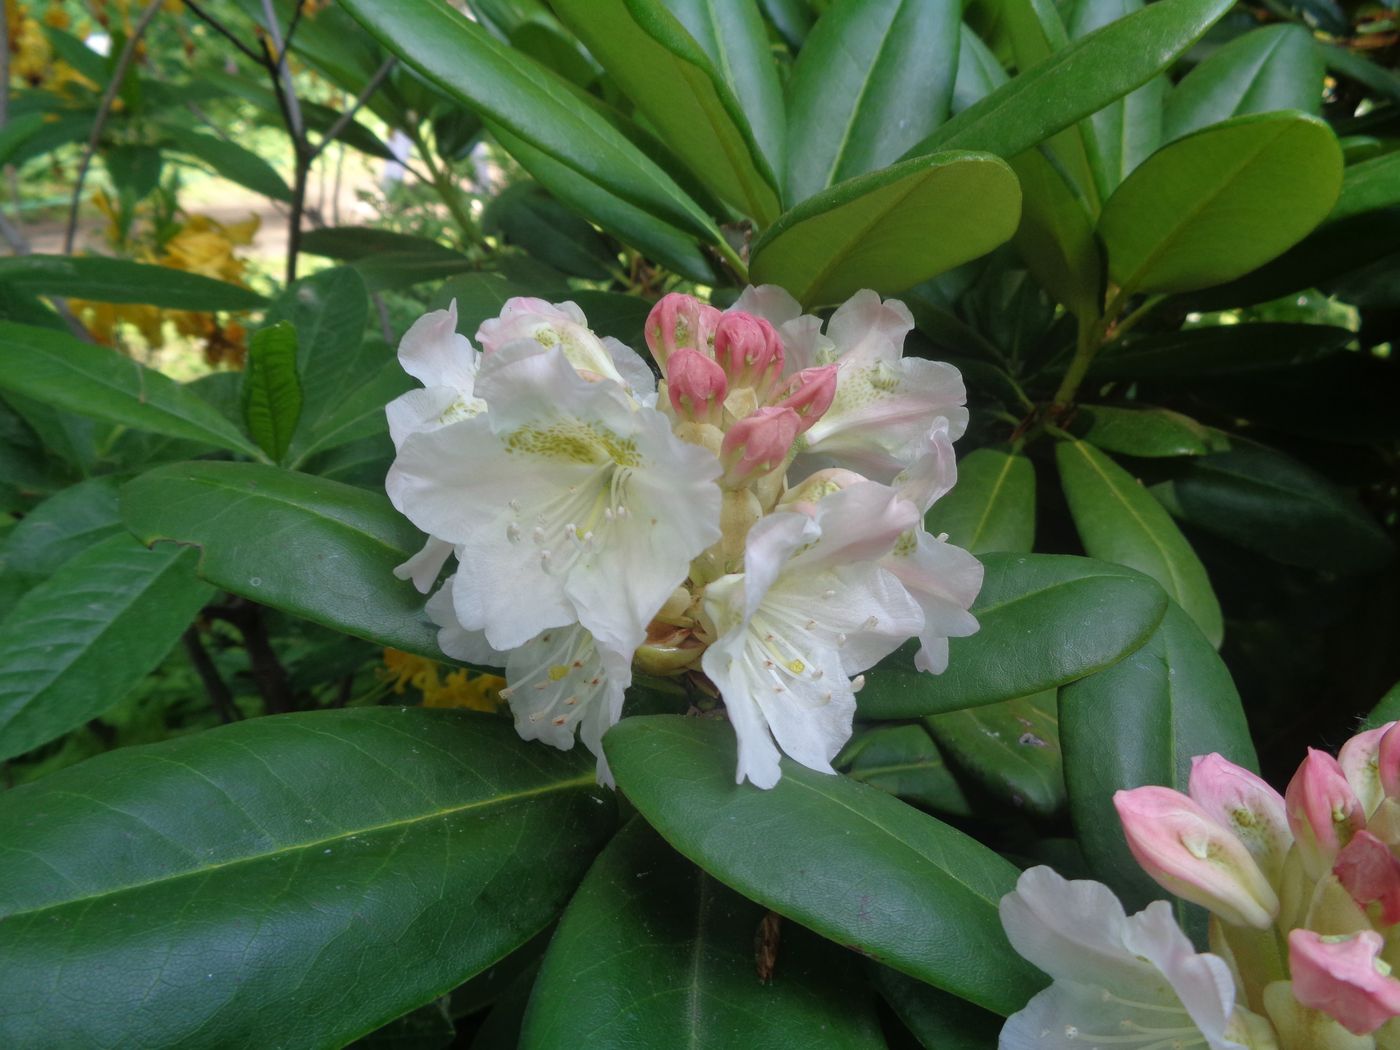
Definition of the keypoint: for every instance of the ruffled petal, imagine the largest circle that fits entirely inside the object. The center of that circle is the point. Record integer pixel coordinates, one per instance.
(944, 580)
(433, 353)
(423, 567)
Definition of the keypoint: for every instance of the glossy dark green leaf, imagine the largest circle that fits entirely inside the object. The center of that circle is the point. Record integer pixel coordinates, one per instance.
(1270, 68)
(95, 381)
(1118, 520)
(1214, 205)
(735, 40)
(1386, 710)
(1270, 503)
(309, 546)
(1046, 619)
(621, 316)
(1078, 80)
(134, 170)
(525, 215)
(654, 952)
(74, 644)
(1146, 432)
(123, 281)
(1221, 350)
(1056, 236)
(873, 78)
(68, 522)
(979, 72)
(234, 163)
(532, 103)
(905, 761)
(1012, 749)
(671, 80)
(1379, 79)
(315, 875)
(992, 507)
(1141, 722)
(359, 415)
(890, 229)
(479, 297)
(849, 861)
(272, 389)
(351, 243)
(938, 1020)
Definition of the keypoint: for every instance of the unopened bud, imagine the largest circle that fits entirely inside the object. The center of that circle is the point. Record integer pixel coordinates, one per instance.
(1371, 875)
(1344, 977)
(1388, 761)
(758, 444)
(1359, 758)
(679, 321)
(809, 393)
(1237, 799)
(749, 350)
(696, 386)
(1323, 811)
(1192, 856)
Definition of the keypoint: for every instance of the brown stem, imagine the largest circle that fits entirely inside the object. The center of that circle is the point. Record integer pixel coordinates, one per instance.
(268, 673)
(219, 695)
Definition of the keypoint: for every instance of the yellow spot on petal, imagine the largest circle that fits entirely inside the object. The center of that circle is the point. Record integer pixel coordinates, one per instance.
(557, 672)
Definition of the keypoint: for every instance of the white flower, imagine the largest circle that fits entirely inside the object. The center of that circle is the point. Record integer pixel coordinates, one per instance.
(568, 502)
(1118, 981)
(558, 682)
(811, 609)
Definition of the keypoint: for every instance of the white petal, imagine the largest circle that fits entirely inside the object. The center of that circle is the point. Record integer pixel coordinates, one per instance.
(432, 352)
(1201, 981)
(861, 522)
(423, 567)
(933, 470)
(636, 374)
(768, 301)
(550, 325)
(723, 663)
(944, 580)
(454, 639)
(869, 329)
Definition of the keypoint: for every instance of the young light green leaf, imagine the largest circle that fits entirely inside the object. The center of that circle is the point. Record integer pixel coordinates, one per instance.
(890, 229)
(95, 381)
(272, 389)
(992, 507)
(75, 643)
(1118, 520)
(316, 875)
(1214, 205)
(873, 78)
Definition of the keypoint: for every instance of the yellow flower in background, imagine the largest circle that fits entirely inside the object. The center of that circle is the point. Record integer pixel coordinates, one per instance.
(32, 60)
(459, 688)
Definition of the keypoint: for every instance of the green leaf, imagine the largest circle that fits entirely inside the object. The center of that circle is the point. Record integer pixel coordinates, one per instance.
(360, 415)
(850, 862)
(938, 1020)
(234, 163)
(315, 875)
(1118, 520)
(1221, 350)
(992, 507)
(74, 645)
(134, 170)
(351, 243)
(311, 547)
(905, 761)
(654, 952)
(1056, 236)
(1271, 68)
(271, 389)
(527, 216)
(531, 103)
(1078, 80)
(621, 316)
(1012, 749)
(873, 78)
(1140, 722)
(1270, 503)
(1386, 710)
(735, 40)
(98, 382)
(979, 72)
(68, 522)
(1216, 204)
(1146, 432)
(1081, 616)
(890, 229)
(671, 80)
(479, 297)
(122, 281)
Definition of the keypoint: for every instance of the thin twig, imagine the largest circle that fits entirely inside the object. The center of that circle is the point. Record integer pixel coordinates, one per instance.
(343, 121)
(386, 329)
(268, 672)
(295, 124)
(14, 235)
(104, 109)
(223, 30)
(218, 691)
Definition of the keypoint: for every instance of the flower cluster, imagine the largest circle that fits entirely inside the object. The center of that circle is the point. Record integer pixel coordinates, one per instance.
(459, 688)
(1303, 891)
(755, 521)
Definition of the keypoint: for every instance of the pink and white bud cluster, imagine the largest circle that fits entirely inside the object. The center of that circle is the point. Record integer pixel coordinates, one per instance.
(1303, 888)
(756, 521)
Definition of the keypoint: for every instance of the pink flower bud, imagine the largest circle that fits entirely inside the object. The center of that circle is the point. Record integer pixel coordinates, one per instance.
(696, 386)
(1388, 761)
(680, 321)
(1192, 856)
(1323, 811)
(1237, 799)
(758, 444)
(809, 393)
(1344, 977)
(1360, 762)
(749, 350)
(1370, 874)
